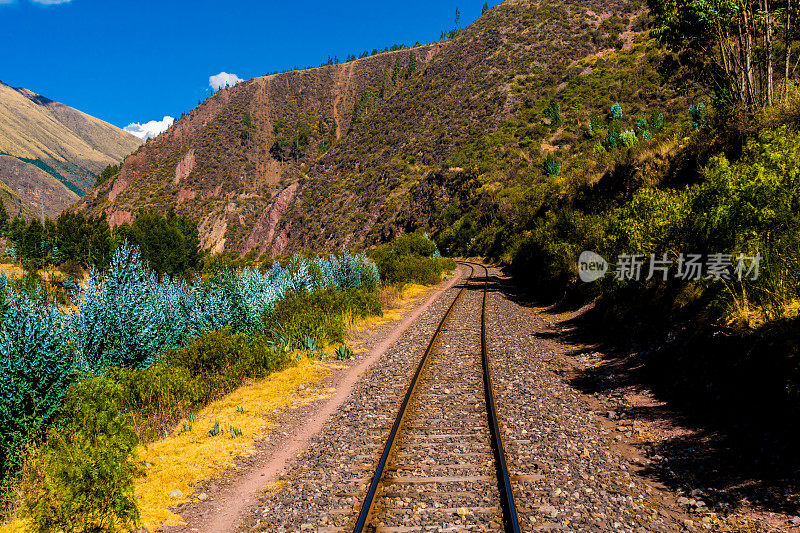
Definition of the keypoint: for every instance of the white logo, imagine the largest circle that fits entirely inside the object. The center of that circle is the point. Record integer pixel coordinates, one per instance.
(591, 266)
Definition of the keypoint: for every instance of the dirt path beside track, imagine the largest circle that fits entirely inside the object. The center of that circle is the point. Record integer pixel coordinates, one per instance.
(231, 497)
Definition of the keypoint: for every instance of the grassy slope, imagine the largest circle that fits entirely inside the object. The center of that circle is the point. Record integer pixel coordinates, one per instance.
(33, 185)
(71, 142)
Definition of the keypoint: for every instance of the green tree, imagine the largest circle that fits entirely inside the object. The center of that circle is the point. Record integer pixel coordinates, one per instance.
(731, 42)
(3, 218)
(170, 245)
(16, 230)
(107, 173)
(100, 243)
(83, 478)
(31, 248)
(412, 65)
(72, 234)
(485, 8)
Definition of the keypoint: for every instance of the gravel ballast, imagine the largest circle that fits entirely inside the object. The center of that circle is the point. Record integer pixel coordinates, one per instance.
(565, 471)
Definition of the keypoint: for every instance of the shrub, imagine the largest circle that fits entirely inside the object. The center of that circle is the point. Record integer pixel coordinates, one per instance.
(411, 258)
(414, 244)
(595, 125)
(130, 316)
(320, 316)
(127, 318)
(744, 207)
(158, 396)
(544, 261)
(628, 138)
(616, 112)
(599, 149)
(553, 114)
(37, 365)
(613, 135)
(656, 120)
(415, 269)
(552, 165)
(697, 113)
(82, 479)
(220, 360)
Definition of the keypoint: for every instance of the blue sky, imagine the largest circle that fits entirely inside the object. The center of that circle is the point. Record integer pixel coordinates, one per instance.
(128, 61)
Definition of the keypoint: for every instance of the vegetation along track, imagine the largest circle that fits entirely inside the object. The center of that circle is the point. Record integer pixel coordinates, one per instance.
(444, 451)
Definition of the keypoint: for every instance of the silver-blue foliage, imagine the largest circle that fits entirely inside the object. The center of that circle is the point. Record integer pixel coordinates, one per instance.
(127, 318)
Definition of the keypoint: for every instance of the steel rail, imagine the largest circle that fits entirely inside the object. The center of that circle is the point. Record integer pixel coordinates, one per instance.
(369, 499)
(509, 510)
(510, 519)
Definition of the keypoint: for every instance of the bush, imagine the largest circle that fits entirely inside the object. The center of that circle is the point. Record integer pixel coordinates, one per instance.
(158, 396)
(745, 207)
(553, 114)
(613, 136)
(697, 113)
(411, 258)
(124, 322)
(321, 315)
(628, 138)
(82, 479)
(37, 364)
(415, 269)
(221, 361)
(545, 260)
(656, 120)
(595, 125)
(552, 165)
(616, 112)
(414, 244)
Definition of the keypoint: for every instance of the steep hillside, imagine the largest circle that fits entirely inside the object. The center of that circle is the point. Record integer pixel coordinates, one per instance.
(348, 154)
(234, 161)
(50, 152)
(30, 188)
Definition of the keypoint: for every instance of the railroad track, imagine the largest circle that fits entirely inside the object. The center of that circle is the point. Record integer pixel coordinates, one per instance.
(443, 464)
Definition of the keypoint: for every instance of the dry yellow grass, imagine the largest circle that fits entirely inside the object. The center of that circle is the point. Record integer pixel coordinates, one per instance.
(15, 271)
(17, 526)
(184, 459)
(12, 271)
(396, 301)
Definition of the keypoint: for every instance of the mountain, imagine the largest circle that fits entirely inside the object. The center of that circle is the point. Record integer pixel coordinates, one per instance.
(50, 152)
(350, 154)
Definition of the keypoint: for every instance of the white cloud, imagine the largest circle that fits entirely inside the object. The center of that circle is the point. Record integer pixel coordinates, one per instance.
(150, 129)
(43, 2)
(222, 79)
